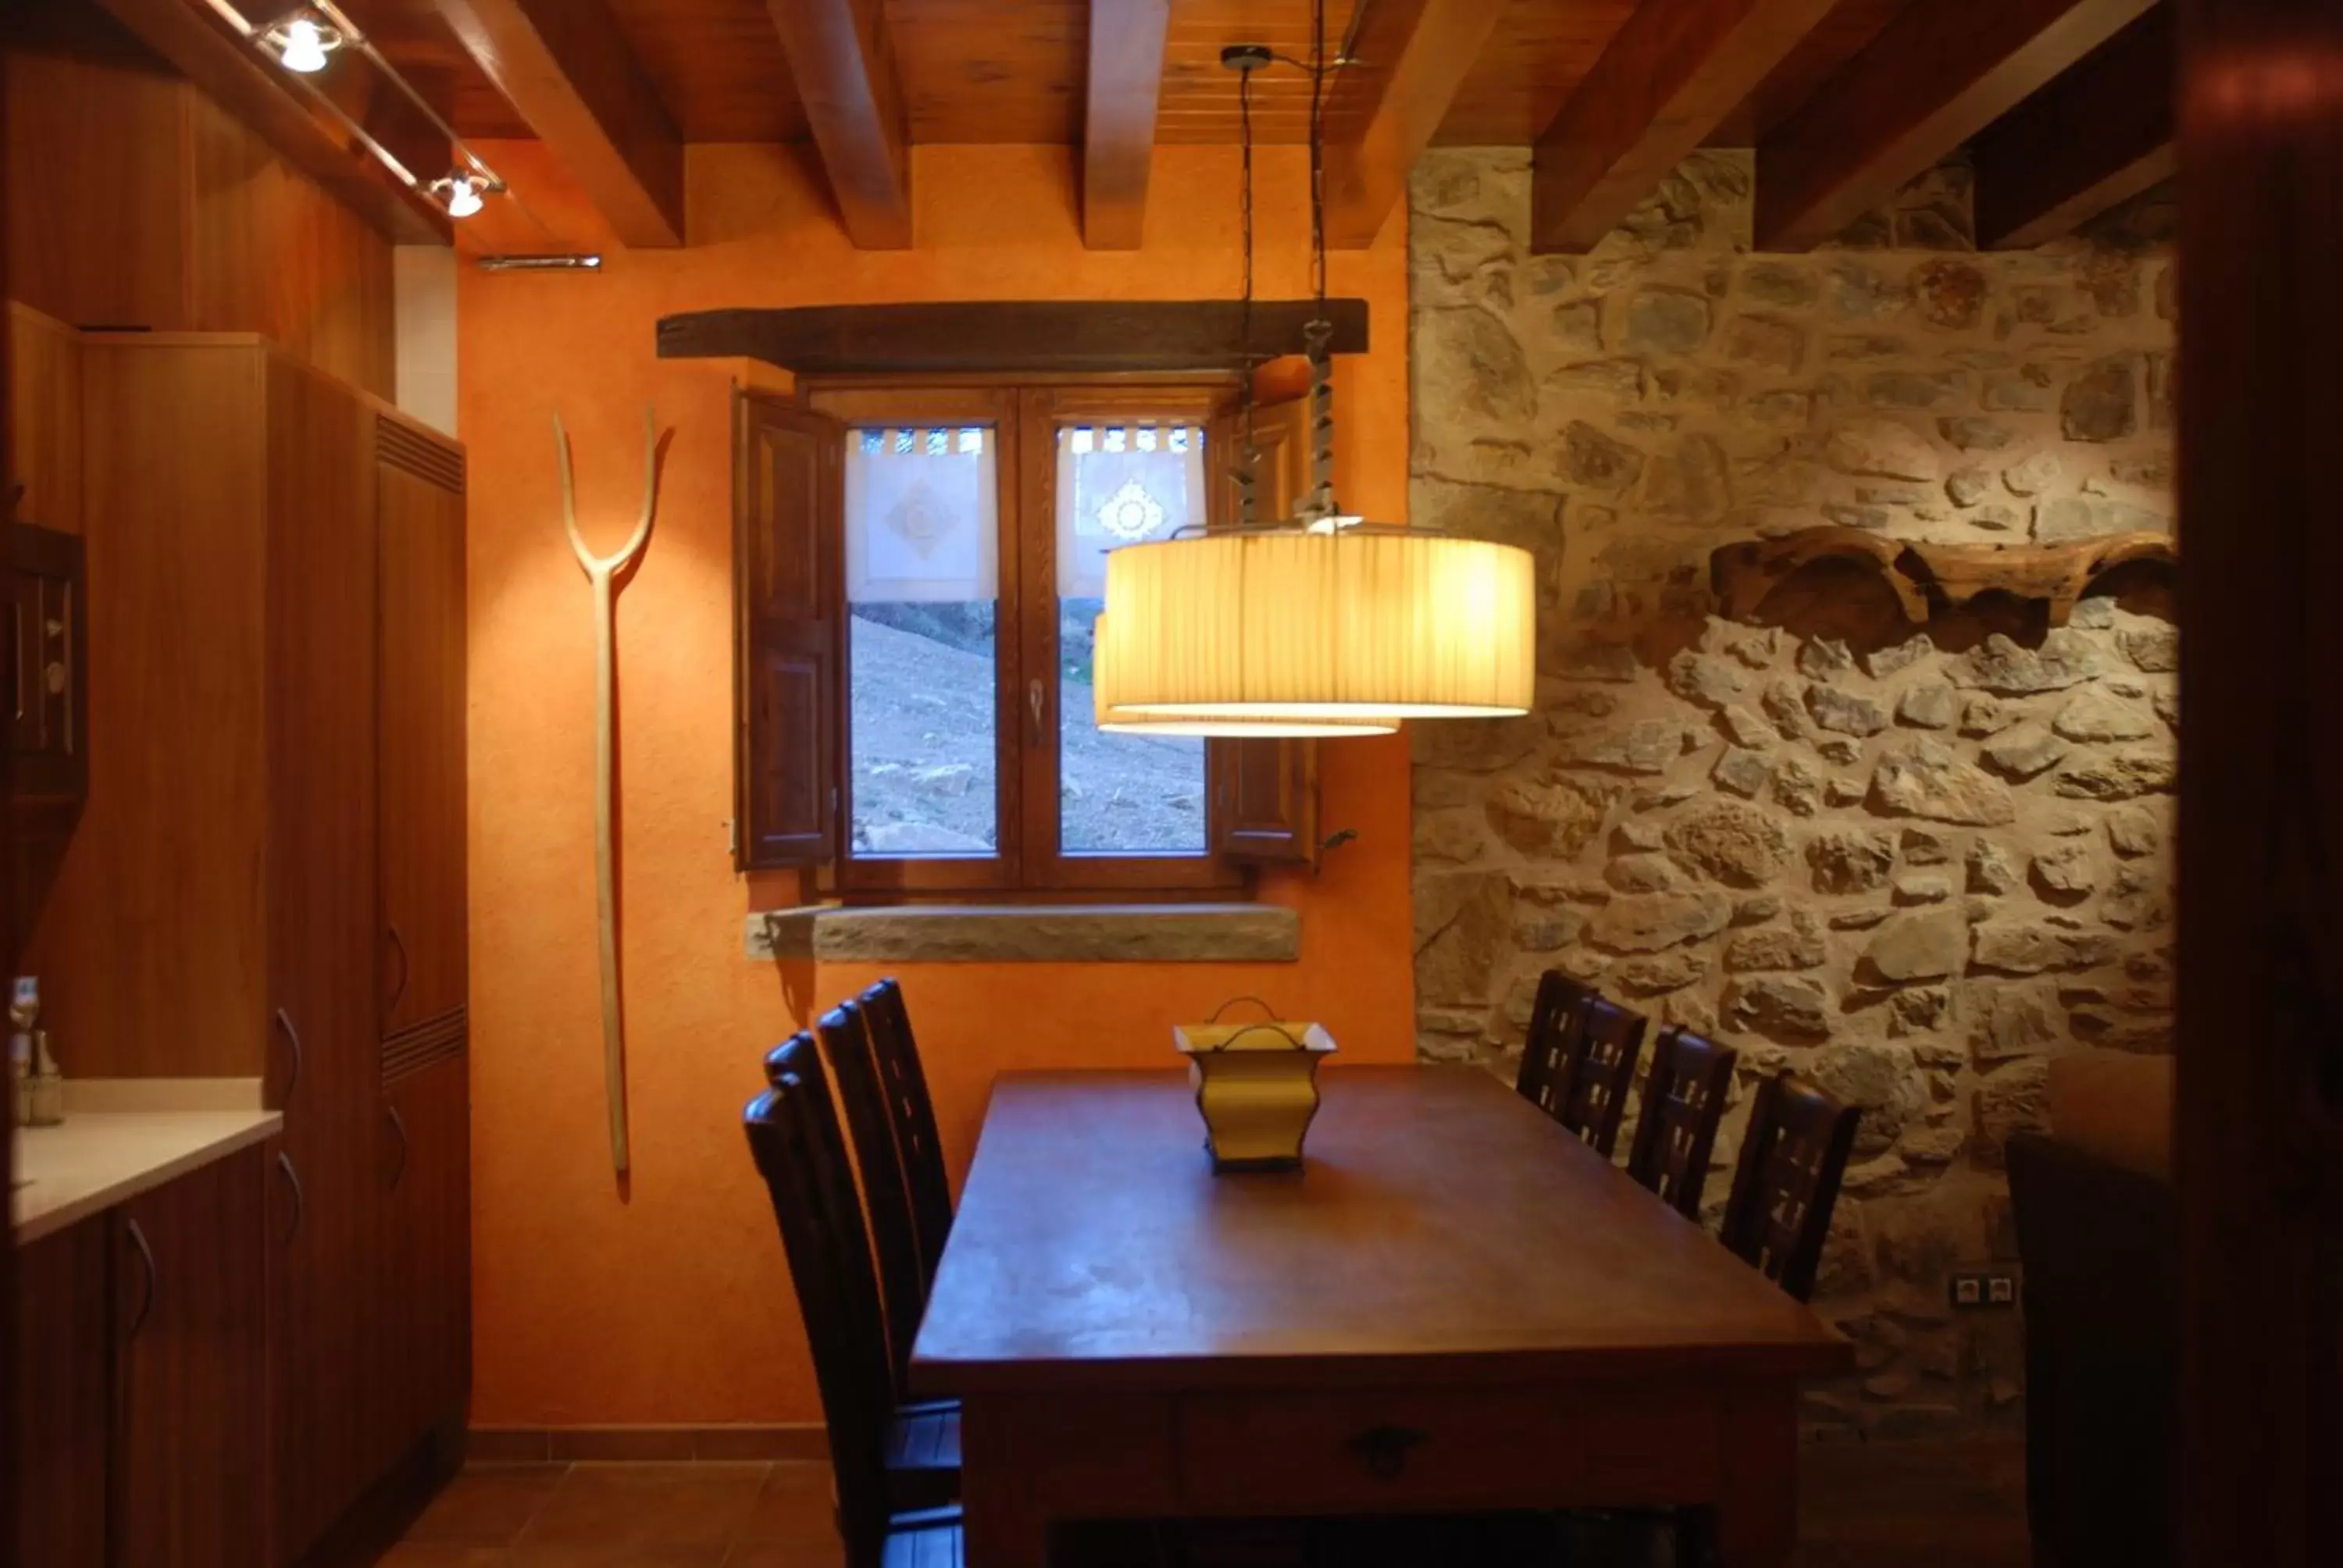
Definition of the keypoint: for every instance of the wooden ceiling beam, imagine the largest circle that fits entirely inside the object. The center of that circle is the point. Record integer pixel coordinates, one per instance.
(565, 69)
(302, 130)
(846, 77)
(1413, 56)
(1937, 75)
(1674, 71)
(1126, 81)
(2099, 135)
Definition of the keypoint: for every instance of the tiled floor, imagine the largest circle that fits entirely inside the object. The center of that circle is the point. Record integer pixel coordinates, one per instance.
(1904, 1505)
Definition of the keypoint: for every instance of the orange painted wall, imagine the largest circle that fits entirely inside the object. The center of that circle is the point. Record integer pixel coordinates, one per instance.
(671, 1303)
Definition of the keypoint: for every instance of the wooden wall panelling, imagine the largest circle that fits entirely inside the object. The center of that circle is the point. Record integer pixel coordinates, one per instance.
(97, 181)
(44, 418)
(271, 252)
(133, 199)
(323, 927)
(420, 718)
(190, 1454)
(60, 1396)
(154, 933)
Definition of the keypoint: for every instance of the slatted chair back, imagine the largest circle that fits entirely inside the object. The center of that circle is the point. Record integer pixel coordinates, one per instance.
(1676, 1129)
(886, 1193)
(794, 1135)
(1554, 1018)
(1793, 1158)
(914, 1119)
(1598, 1072)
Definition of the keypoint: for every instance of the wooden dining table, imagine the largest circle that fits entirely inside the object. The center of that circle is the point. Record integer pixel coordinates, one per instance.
(1454, 1305)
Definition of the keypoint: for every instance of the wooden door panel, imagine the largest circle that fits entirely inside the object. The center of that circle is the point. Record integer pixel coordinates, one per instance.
(423, 1284)
(189, 1452)
(323, 921)
(421, 720)
(61, 1396)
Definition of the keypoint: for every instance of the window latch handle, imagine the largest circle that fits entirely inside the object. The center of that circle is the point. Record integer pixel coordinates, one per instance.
(1033, 700)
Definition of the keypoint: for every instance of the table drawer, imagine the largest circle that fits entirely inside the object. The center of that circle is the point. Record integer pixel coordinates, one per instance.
(1408, 1449)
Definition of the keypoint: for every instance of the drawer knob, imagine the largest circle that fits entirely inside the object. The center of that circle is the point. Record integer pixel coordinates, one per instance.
(1385, 1448)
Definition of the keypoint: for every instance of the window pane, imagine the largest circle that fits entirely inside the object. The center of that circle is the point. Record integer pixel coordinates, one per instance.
(1120, 794)
(921, 575)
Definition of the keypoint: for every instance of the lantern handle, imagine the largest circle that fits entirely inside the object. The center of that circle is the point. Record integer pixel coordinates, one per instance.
(1267, 1011)
(1279, 1030)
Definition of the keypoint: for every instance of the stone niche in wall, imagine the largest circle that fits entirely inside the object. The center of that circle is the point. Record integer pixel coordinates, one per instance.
(1857, 730)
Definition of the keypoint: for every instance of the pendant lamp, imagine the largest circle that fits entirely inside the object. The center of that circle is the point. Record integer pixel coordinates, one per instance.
(1324, 619)
(1117, 720)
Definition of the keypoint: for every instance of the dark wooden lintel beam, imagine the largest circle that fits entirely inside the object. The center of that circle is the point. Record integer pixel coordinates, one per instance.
(2097, 136)
(1012, 335)
(1937, 75)
(1670, 76)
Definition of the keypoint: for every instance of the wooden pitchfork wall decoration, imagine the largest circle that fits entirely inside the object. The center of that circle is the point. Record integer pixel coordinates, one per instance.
(602, 572)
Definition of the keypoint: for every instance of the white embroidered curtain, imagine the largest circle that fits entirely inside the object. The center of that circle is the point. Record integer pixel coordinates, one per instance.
(1120, 484)
(922, 516)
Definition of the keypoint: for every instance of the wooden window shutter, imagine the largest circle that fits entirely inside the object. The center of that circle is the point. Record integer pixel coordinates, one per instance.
(788, 501)
(1264, 792)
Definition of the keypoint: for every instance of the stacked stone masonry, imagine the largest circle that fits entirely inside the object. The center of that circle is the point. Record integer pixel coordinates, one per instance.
(1912, 869)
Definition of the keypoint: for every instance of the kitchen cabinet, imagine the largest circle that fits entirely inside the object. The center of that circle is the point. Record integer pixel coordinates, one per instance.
(189, 1460)
(63, 1394)
(140, 1357)
(273, 844)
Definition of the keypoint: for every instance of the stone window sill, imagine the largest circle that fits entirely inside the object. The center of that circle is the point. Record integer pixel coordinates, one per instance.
(1029, 933)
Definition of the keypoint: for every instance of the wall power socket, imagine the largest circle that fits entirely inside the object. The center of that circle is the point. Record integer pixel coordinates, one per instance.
(1986, 1290)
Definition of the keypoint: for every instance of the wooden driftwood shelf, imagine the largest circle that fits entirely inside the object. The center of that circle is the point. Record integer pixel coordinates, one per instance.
(1929, 579)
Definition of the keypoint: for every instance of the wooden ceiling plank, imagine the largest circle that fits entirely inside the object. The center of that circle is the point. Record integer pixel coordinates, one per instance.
(1669, 77)
(845, 72)
(565, 67)
(305, 134)
(1937, 75)
(1126, 80)
(2098, 135)
(1413, 55)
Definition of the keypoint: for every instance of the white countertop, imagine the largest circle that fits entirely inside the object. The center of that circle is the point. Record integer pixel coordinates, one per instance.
(97, 1158)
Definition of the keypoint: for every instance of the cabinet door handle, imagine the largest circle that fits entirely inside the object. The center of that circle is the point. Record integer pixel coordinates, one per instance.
(398, 993)
(397, 1125)
(146, 1259)
(1385, 1448)
(300, 1203)
(284, 1022)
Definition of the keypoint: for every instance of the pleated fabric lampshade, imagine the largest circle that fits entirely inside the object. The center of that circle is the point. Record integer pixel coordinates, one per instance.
(1122, 721)
(1362, 622)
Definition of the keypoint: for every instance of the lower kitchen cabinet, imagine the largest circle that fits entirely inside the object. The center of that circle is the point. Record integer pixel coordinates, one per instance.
(142, 1352)
(63, 1392)
(188, 1444)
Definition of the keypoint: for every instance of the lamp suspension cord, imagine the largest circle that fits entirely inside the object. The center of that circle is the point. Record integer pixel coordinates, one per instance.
(1319, 334)
(1249, 458)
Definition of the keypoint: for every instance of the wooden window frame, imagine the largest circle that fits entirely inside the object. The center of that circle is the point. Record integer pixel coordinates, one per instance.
(1026, 413)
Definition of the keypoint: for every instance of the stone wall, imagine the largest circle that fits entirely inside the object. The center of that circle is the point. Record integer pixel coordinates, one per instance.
(1911, 863)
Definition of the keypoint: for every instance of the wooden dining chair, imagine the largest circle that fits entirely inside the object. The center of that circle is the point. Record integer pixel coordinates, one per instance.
(1598, 1072)
(1555, 1017)
(913, 1117)
(862, 1096)
(1793, 1158)
(795, 1138)
(1675, 1128)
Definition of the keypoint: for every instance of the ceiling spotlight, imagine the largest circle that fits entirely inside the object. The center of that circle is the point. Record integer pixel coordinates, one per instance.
(302, 43)
(460, 193)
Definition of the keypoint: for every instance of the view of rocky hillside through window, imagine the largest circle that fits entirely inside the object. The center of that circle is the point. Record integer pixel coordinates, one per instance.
(925, 766)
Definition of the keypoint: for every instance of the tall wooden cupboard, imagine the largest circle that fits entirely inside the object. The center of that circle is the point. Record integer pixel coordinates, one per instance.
(268, 878)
